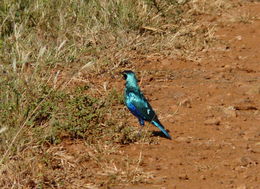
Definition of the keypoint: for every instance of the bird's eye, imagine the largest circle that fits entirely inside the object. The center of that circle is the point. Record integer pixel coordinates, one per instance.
(125, 76)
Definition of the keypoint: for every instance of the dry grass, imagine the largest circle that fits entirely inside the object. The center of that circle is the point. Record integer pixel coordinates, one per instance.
(74, 165)
(54, 55)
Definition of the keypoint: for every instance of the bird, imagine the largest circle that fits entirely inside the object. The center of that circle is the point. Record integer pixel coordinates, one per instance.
(138, 104)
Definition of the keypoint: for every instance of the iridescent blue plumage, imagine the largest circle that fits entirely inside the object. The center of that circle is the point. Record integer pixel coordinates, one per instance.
(137, 103)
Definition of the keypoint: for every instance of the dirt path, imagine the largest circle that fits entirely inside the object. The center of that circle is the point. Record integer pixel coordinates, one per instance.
(216, 129)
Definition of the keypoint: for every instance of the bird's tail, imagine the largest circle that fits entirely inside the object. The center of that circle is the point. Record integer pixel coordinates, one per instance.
(161, 127)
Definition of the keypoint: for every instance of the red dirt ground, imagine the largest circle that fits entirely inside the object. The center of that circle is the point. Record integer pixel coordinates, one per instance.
(216, 130)
(212, 111)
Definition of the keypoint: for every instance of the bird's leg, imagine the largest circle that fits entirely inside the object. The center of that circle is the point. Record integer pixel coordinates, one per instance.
(141, 121)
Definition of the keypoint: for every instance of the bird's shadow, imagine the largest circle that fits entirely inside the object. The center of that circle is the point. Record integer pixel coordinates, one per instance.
(159, 133)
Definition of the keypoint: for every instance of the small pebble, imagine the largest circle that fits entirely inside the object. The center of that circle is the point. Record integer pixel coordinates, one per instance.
(212, 121)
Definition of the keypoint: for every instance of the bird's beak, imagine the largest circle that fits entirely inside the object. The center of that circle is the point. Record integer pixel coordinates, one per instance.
(124, 74)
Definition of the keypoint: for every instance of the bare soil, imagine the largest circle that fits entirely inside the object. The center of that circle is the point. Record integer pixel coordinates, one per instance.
(212, 110)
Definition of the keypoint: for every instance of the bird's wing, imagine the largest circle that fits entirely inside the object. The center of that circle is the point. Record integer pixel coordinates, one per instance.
(142, 106)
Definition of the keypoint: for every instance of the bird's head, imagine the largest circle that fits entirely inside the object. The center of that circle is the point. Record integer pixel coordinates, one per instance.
(129, 75)
(130, 78)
